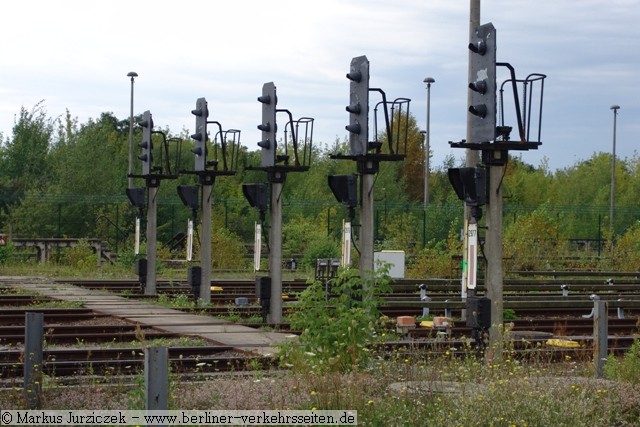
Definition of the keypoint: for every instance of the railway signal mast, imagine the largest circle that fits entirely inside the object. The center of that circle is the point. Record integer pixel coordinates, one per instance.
(368, 154)
(292, 154)
(220, 160)
(479, 185)
(153, 173)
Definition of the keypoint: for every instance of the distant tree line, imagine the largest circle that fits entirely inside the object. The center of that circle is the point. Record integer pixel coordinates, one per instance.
(61, 178)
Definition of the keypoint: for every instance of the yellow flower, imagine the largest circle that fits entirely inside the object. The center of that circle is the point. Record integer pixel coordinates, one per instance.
(313, 392)
(370, 402)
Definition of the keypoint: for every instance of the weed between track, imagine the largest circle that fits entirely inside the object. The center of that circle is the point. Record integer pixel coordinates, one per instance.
(407, 387)
(394, 390)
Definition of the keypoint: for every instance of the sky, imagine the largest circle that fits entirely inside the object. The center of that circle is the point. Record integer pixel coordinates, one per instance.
(75, 55)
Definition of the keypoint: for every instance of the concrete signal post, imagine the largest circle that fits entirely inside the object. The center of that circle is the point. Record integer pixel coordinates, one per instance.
(368, 154)
(152, 205)
(153, 175)
(224, 163)
(492, 138)
(293, 155)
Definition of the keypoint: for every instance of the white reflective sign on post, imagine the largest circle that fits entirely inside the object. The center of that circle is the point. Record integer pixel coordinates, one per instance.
(257, 246)
(472, 256)
(189, 239)
(136, 240)
(346, 244)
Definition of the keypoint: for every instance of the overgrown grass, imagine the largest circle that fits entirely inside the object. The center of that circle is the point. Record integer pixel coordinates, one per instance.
(407, 387)
(62, 304)
(177, 301)
(119, 271)
(55, 270)
(136, 344)
(334, 368)
(403, 389)
(627, 368)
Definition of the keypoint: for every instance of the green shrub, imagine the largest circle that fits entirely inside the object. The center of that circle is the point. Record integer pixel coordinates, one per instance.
(509, 314)
(325, 247)
(302, 236)
(626, 369)
(531, 242)
(436, 260)
(338, 327)
(81, 256)
(625, 250)
(127, 259)
(228, 252)
(6, 253)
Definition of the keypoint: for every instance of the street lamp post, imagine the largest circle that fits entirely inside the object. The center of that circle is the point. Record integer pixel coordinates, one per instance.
(428, 81)
(615, 109)
(424, 212)
(133, 75)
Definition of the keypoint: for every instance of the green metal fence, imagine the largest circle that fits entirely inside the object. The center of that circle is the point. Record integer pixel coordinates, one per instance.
(111, 217)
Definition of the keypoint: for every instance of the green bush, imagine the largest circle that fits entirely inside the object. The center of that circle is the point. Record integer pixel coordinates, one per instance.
(228, 252)
(81, 256)
(531, 243)
(126, 259)
(302, 236)
(509, 314)
(625, 250)
(325, 247)
(626, 369)
(436, 259)
(338, 327)
(6, 253)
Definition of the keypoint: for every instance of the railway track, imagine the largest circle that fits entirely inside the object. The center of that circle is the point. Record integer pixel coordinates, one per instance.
(226, 291)
(528, 284)
(15, 316)
(75, 334)
(63, 362)
(541, 296)
(102, 361)
(540, 308)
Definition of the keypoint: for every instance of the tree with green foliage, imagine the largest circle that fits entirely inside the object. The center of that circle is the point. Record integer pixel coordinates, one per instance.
(533, 241)
(59, 177)
(23, 158)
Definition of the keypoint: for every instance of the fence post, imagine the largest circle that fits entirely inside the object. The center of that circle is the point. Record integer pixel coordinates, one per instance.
(156, 378)
(600, 336)
(33, 337)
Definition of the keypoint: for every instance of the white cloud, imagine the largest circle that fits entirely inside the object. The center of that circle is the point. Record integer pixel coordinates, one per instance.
(76, 54)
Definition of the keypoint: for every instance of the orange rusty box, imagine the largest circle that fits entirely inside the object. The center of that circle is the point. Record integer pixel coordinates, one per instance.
(441, 321)
(406, 321)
